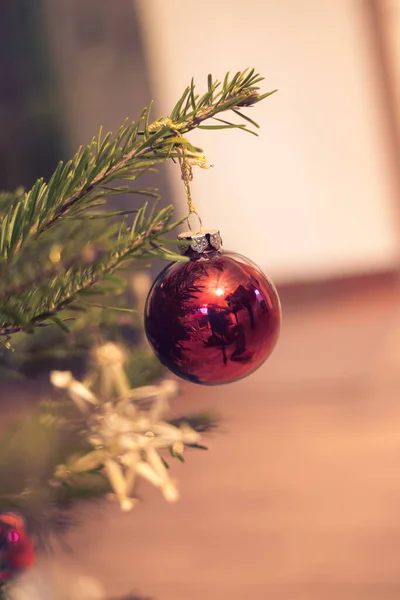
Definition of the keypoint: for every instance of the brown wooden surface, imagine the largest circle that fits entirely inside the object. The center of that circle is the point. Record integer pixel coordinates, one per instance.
(298, 497)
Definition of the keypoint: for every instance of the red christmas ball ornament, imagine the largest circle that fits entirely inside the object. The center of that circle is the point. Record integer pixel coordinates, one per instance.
(214, 319)
(17, 551)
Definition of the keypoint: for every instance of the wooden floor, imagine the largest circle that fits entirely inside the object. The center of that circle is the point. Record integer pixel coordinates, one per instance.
(298, 497)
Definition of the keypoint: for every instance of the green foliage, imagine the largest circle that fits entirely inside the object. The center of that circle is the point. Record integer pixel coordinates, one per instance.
(201, 422)
(60, 240)
(89, 323)
(29, 453)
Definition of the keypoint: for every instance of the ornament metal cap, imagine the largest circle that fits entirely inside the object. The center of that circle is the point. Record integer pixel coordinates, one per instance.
(200, 242)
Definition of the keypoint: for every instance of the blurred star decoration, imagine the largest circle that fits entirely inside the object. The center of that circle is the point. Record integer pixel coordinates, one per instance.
(125, 427)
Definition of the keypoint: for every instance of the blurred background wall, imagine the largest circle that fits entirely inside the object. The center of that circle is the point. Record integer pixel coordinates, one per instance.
(315, 195)
(32, 133)
(97, 48)
(387, 13)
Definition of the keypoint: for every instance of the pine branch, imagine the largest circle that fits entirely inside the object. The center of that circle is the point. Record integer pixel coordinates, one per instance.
(60, 289)
(77, 189)
(127, 155)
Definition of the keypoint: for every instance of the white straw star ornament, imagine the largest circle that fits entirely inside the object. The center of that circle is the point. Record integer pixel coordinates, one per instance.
(126, 437)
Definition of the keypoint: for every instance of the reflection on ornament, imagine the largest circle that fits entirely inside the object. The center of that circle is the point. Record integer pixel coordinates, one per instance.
(214, 319)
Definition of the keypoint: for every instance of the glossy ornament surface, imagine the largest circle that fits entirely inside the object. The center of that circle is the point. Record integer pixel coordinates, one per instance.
(214, 319)
(17, 551)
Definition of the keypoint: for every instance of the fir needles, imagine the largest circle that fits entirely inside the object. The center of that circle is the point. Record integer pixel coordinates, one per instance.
(38, 281)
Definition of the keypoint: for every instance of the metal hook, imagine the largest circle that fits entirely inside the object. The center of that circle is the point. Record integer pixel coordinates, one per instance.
(200, 221)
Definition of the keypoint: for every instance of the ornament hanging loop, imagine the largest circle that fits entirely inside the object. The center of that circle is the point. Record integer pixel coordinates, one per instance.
(196, 214)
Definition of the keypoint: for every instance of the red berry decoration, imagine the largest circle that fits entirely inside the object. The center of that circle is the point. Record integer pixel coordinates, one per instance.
(214, 319)
(17, 551)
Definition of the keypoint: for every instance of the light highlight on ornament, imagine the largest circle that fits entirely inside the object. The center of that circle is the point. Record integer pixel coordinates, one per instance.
(13, 537)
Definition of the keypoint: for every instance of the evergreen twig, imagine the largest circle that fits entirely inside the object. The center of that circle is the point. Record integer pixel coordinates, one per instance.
(30, 220)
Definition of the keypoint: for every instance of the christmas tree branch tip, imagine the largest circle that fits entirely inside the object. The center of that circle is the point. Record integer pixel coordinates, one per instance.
(37, 281)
